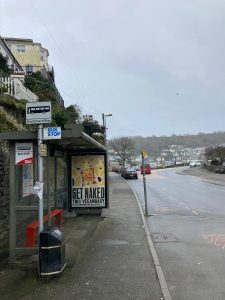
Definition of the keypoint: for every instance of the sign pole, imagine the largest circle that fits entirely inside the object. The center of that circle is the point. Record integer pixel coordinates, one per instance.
(40, 177)
(144, 184)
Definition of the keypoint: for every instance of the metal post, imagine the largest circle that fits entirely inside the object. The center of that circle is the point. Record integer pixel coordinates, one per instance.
(40, 177)
(48, 186)
(12, 233)
(144, 184)
(104, 127)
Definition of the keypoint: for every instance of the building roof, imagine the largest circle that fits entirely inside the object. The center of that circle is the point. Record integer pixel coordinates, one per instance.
(24, 41)
(18, 40)
(10, 53)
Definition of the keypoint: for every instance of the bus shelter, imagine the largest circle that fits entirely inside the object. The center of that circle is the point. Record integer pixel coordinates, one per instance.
(75, 178)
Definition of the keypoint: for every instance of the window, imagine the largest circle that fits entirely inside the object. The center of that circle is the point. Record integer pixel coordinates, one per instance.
(42, 55)
(29, 69)
(20, 48)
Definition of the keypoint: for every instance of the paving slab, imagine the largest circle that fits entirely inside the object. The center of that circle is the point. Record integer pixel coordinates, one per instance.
(108, 257)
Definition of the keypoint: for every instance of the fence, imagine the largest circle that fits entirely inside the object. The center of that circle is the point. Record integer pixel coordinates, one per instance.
(14, 87)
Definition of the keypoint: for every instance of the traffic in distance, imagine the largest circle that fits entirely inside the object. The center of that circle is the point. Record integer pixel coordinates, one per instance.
(131, 172)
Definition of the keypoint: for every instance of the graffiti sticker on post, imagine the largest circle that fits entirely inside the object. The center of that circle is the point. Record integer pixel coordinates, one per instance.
(24, 154)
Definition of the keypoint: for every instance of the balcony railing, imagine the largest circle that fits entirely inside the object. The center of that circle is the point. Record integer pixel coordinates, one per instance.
(14, 87)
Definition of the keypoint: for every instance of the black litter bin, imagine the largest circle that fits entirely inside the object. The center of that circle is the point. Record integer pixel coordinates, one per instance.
(51, 252)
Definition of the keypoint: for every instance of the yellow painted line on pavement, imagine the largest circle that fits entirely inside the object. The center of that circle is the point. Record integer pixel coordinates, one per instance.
(166, 210)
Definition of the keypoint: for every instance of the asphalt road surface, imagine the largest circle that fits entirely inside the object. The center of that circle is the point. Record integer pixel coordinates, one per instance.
(187, 223)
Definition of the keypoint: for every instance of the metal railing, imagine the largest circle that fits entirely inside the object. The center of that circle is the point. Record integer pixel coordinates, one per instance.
(14, 87)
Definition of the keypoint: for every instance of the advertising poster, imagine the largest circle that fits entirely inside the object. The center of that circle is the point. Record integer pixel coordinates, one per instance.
(88, 181)
(24, 153)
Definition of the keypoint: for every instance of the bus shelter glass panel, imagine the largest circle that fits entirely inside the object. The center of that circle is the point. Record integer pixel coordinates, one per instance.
(23, 219)
(61, 183)
(25, 178)
(49, 174)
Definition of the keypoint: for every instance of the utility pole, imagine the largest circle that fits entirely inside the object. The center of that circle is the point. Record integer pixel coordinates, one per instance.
(144, 184)
(104, 125)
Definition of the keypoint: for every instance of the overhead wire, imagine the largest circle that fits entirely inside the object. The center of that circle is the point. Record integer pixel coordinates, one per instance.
(4, 84)
(59, 50)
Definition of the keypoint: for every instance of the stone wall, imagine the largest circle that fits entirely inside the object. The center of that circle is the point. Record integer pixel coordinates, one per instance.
(4, 193)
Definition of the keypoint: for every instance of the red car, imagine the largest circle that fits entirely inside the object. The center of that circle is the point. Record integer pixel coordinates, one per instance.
(148, 169)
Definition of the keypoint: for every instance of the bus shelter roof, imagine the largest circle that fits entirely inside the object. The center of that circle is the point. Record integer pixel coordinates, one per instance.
(73, 139)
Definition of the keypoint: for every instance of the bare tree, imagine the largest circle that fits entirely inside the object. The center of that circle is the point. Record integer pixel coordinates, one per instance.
(123, 147)
(217, 154)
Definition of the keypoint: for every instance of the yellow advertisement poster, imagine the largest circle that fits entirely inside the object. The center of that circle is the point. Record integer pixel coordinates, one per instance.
(88, 181)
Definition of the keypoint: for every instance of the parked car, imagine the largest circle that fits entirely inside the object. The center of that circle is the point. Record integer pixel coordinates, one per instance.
(148, 169)
(137, 168)
(220, 170)
(195, 163)
(130, 173)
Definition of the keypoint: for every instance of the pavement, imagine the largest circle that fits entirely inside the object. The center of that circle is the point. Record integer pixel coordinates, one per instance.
(205, 174)
(108, 257)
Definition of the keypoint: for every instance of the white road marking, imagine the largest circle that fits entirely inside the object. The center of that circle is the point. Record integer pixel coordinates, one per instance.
(194, 212)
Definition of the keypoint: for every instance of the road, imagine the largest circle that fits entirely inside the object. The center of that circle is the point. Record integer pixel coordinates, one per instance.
(187, 223)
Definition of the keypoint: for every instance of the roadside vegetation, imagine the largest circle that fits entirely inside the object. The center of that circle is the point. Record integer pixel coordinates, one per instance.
(155, 144)
(216, 155)
(3, 64)
(46, 91)
(123, 147)
(13, 113)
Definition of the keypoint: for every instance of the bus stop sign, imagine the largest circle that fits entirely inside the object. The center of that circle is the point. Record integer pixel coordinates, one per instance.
(38, 113)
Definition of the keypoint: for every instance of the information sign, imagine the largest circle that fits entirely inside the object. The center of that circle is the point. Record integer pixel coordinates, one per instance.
(43, 149)
(52, 133)
(24, 154)
(38, 113)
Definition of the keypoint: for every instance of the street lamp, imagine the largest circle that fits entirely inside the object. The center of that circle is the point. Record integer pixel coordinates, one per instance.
(104, 124)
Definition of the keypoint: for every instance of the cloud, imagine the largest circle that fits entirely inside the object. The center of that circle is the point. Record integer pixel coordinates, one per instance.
(130, 58)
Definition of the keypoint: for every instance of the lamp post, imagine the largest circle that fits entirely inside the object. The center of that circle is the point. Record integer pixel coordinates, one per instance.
(104, 124)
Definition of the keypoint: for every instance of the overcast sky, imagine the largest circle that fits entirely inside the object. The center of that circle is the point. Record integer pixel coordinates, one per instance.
(157, 65)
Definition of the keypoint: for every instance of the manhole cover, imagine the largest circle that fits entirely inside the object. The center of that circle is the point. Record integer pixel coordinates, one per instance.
(121, 191)
(159, 237)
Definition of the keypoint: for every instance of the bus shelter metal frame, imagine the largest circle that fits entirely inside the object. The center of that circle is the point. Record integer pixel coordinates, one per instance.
(73, 141)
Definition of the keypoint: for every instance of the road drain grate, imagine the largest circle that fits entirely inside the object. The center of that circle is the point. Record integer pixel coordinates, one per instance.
(160, 237)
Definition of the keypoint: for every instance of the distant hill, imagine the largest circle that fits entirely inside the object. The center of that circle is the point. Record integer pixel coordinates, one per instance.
(155, 145)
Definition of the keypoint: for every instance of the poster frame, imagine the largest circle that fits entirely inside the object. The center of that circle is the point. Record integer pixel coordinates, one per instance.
(104, 154)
